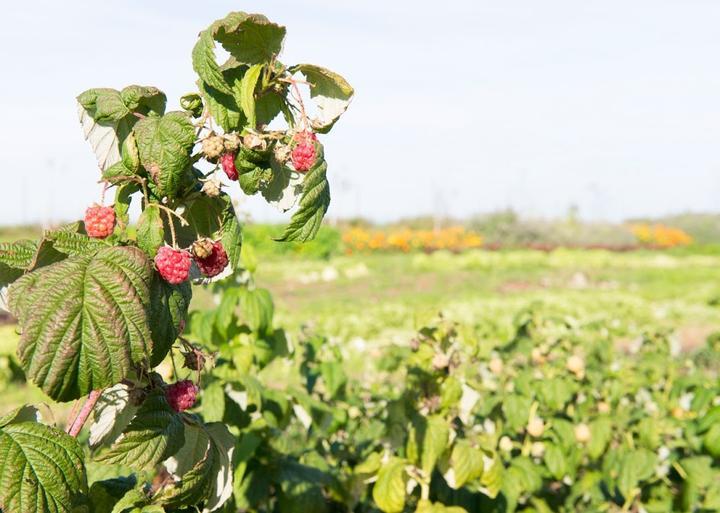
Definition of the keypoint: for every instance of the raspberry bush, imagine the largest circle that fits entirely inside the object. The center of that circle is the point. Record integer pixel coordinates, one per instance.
(103, 302)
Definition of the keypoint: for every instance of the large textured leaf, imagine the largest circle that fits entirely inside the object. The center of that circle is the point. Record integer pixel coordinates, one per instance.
(84, 321)
(331, 92)
(14, 259)
(155, 434)
(389, 490)
(223, 106)
(168, 312)
(164, 144)
(107, 116)
(42, 469)
(74, 243)
(204, 467)
(249, 38)
(314, 203)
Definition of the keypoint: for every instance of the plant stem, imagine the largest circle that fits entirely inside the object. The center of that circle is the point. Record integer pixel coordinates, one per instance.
(79, 421)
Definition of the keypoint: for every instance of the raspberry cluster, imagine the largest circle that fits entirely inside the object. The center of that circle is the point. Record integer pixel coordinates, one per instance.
(227, 161)
(99, 221)
(181, 395)
(214, 263)
(173, 264)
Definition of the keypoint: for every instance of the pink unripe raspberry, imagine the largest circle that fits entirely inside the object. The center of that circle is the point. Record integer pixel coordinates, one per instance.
(99, 221)
(303, 157)
(173, 264)
(227, 161)
(215, 262)
(181, 396)
(303, 154)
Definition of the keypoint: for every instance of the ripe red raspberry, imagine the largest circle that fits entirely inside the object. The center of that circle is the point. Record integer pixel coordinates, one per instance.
(99, 221)
(215, 262)
(181, 395)
(173, 264)
(228, 164)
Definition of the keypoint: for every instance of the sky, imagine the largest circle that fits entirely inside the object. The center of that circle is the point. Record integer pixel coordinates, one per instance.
(461, 107)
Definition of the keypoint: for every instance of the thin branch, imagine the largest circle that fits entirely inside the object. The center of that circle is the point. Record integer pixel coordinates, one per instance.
(85, 412)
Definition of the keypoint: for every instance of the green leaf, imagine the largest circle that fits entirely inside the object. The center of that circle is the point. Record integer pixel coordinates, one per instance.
(42, 469)
(331, 92)
(123, 199)
(434, 442)
(334, 376)
(711, 441)
(107, 117)
(25, 413)
(75, 244)
(105, 104)
(251, 182)
(600, 435)
(84, 321)
(15, 258)
(204, 465)
(205, 65)
(249, 38)
(492, 478)
(104, 495)
(164, 144)
(213, 402)
(258, 309)
(143, 99)
(314, 202)
(268, 105)
(516, 409)
(168, 312)
(222, 107)
(425, 506)
(636, 466)
(465, 465)
(555, 460)
(247, 92)
(155, 434)
(389, 489)
(231, 236)
(150, 230)
(136, 501)
(18, 255)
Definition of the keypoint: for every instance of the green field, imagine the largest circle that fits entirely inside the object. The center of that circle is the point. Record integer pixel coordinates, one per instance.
(388, 297)
(383, 299)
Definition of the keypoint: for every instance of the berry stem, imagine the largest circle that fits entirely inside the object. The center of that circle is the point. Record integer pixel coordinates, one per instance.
(171, 222)
(298, 98)
(77, 424)
(183, 221)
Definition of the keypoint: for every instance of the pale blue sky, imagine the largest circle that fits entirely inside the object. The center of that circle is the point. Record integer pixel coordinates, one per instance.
(473, 106)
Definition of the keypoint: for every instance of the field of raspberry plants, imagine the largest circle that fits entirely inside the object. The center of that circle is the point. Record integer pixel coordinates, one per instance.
(155, 363)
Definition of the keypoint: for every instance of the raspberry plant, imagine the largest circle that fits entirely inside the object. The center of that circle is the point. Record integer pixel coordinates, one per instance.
(100, 305)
